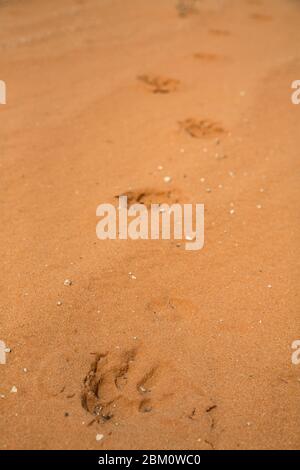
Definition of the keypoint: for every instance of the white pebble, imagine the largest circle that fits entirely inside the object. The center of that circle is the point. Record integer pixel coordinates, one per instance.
(67, 282)
(167, 179)
(99, 437)
(132, 275)
(59, 303)
(232, 211)
(14, 389)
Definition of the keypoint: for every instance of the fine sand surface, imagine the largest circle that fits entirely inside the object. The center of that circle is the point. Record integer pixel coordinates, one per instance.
(193, 349)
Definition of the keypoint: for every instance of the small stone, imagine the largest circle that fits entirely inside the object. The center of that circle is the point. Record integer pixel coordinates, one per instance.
(7, 350)
(14, 389)
(25, 369)
(59, 303)
(68, 282)
(232, 211)
(258, 206)
(167, 179)
(160, 167)
(132, 275)
(269, 286)
(208, 190)
(99, 437)
(202, 180)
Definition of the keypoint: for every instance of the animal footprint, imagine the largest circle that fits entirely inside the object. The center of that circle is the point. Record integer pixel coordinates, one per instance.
(158, 84)
(186, 7)
(151, 196)
(261, 17)
(206, 56)
(103, 384)
(201, 128)
(219, 32)
(108, 387)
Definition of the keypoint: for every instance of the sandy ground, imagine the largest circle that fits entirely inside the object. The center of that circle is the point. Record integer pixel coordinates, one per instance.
(195, 353)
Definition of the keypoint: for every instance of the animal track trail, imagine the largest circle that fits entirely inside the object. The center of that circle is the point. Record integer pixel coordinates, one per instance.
(151, 196)
(201, 128)
(159, 84)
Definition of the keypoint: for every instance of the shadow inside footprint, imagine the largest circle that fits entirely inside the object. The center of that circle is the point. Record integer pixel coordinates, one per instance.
(206, 56)
(199, 128)
(159, 84)
(219, 32)
(151, 196)
(186, 7)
